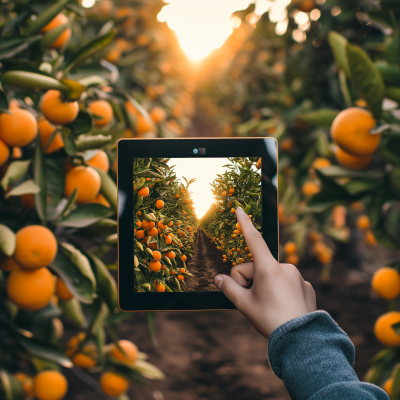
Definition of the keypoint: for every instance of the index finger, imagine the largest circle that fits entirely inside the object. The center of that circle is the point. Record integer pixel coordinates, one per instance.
(254, 240)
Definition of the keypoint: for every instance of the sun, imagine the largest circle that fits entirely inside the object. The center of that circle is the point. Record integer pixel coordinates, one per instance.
(201, 25)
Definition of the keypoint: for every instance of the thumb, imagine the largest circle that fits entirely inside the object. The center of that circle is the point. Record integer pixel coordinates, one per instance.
(232, 290)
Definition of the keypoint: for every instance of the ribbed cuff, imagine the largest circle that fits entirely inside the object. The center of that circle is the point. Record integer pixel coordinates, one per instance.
(282, 337)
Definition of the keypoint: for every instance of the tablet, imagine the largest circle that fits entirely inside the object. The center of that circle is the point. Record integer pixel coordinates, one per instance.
(177, 227)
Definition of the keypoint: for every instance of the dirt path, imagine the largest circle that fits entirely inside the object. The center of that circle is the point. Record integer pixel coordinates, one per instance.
(204, 265)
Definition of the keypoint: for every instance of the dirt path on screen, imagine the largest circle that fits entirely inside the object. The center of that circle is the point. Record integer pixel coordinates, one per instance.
(204, 265)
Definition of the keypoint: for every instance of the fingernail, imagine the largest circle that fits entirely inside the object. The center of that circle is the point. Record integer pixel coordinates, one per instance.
(218, 281)
(240, 209)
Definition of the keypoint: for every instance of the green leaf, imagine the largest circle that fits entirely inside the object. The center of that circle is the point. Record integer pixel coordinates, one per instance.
(338, 45)
(31, 80)
(108, 188)
(39, 174)
(69, 204)
(22, 15)
(69, 142)
(24, 188)
(7, 240)
(77, 282)
(89, 142)
(147, 370)
(81, 124)
(322, 117)
(336, 171)
(15, 171)
(45, 17)
(73, 310)
(89, 49)
(104, 227)
(382, 17)
(3, 101)
(55, 177)
(106, 285)
(366, 78)
(151, 323)
(331, 186)
(85, 215)
(101, 316)
(11, 386)
(390, 73)
(19, 47)
(80, 261)
(393, 93)
(392, 51)
(45, 351)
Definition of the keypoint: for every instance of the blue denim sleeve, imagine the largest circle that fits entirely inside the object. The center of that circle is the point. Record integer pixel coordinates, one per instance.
(315, 358)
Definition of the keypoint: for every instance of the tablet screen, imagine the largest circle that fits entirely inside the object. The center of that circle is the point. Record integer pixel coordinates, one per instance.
(185, 227)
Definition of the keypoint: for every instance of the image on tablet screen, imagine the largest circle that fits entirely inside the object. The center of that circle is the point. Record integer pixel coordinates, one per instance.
(185, 227)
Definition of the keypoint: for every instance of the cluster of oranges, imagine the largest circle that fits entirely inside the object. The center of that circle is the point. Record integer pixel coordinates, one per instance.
(165, 226)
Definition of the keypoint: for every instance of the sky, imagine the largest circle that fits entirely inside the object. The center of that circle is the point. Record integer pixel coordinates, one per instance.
(204, 25)
(204, 170)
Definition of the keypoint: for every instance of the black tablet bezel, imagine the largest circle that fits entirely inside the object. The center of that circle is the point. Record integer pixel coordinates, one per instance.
(183, 148)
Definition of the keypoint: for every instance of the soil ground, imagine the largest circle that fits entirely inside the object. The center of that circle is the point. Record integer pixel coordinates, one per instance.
(205, 264)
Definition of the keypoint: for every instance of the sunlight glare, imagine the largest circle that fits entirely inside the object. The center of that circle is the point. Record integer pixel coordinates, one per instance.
(201, 25)
(204, 170)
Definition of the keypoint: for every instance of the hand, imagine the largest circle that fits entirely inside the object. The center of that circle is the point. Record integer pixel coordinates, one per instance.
(278, 294)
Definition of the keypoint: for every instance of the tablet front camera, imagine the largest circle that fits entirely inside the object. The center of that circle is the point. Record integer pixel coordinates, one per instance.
(195, 151)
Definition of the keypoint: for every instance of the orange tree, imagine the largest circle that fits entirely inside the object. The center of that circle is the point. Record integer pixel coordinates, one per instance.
(61, 111)
(239, 186)
(165, 226)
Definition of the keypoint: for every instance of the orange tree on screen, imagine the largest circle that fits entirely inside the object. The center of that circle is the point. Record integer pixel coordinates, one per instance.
(239, 186)
(165, 226)
(61, 111)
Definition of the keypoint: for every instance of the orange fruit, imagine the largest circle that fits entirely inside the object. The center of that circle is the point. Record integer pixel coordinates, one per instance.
(369, 238)
(144, 192)
(387, 386)
(143, 125)
(16, 153)
(320, 163)
(45, 131)
(183, 258)
(160, 288)
(152, 232)
(168, 240)
(36, 247)
(384, 331)
(100, 199)
(130, 108)
(233, 211)
(30, 290)
(351, 162)
(386, 283)
(363, 223)
(181, 277)
(350, 131)
(87, 182)
(114, 55)
(100, 160)
(113, 384)
(60, 19)
(162, 226)
(310, 188)
(87, 358)
(140, 234)
(123, 44)
(103, 109)
(159, 204)
(147, 225)
(130, 351)
(8, 264)
(156, 255)
(18, 128)
(62, 291)
(26, 382)
(158, 115)
(154, 266)
(56, 110)
(171, 255)
(290, 248)
(292, 259)
(4, 153)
